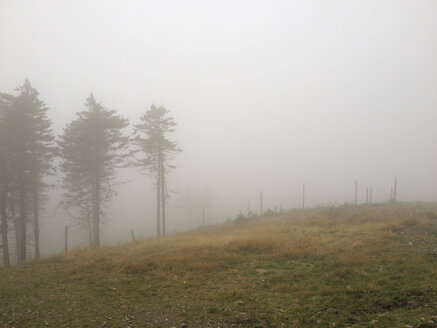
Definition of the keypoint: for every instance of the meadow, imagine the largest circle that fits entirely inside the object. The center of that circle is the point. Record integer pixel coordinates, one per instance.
(347, 266)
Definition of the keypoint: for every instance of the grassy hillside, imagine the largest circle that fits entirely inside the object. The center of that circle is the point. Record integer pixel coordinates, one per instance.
(360, 266)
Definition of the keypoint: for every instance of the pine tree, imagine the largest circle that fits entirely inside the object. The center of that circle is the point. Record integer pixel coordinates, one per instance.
(41, 150)
(156, 150)
(5, 151)
(91, 147)
(27, 152)
(19, 122)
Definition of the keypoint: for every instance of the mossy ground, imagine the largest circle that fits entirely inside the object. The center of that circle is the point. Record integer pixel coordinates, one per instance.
(360, 266)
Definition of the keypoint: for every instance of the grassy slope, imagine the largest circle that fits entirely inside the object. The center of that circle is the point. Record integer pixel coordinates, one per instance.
(366, 266)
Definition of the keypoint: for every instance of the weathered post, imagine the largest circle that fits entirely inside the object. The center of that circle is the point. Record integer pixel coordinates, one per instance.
(66, 238)
(132, 234)
(356, 193)
(261, 203)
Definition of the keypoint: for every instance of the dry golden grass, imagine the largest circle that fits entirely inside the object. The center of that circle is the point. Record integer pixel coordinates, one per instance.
(296, 234)
(348, 265)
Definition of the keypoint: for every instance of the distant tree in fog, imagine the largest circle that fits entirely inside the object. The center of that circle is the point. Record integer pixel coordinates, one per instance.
(91, 148)
(5, 169)
(155, 152)
(42, 152)
(27, 150)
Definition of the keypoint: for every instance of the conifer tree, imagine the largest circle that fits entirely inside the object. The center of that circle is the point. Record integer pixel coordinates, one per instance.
(41, 149)
(4, 175)
(91, 147)
(28, 150)
(156, 150)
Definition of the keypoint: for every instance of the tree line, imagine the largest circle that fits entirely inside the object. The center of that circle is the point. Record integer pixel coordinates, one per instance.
(85, 157)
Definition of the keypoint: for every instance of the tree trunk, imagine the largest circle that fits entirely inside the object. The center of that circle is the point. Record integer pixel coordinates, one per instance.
(90, 230)
(163, 196)
(36, 218)
(35, 184)
(34, 177)
(96, 216)
(22, 219)
(158, 200)
(15, 220)
(4, 225)
(96, 197)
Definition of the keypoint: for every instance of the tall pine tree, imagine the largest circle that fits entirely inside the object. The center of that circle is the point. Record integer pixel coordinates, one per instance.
(42, 150)
(5, 170)
(91, 147)
(155, 152)
(27, 153)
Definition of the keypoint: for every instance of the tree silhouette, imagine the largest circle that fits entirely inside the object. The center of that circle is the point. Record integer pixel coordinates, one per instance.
(27, 152)
(91, 147)
(156, 150)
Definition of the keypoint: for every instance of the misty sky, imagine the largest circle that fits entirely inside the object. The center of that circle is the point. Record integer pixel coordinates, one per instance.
(267, 95)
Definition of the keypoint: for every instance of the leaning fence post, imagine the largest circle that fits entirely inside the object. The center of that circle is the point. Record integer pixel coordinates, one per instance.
(66, 238)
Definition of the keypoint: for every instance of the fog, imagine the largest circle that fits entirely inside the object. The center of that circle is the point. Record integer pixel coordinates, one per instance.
(267, 96)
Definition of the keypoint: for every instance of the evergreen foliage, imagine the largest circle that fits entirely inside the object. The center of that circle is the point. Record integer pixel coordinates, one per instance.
(156, 151)
(27, 150)
(91, 147)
